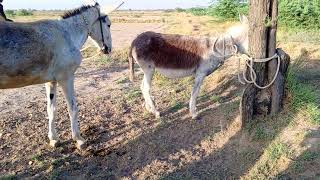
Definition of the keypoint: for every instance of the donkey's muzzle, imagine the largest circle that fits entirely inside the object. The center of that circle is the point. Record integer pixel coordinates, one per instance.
(105, 49)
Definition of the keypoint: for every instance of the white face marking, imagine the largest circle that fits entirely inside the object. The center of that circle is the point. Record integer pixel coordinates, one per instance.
(176, 73)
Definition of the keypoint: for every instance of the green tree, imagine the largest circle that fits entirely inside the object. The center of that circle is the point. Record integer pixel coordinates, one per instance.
(300, 13)
(227, 9)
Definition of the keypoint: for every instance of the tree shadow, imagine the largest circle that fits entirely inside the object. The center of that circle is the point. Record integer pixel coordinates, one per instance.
(305, 166)
(176, 147)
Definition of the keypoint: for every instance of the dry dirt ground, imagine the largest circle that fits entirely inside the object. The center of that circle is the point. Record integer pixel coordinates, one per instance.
(125, 142)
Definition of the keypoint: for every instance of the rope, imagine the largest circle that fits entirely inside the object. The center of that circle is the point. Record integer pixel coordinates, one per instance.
(98, 54)
(84, 49)
(253, 74)
(249, 64)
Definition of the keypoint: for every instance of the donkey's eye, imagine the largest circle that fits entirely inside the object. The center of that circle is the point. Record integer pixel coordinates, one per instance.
(109, 26)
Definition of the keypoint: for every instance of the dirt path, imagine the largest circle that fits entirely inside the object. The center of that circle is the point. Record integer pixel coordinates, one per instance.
(111, 122)
(124, 141)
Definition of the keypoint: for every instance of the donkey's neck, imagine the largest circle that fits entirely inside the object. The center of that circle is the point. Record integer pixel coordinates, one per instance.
(76, 28)
(79, 27)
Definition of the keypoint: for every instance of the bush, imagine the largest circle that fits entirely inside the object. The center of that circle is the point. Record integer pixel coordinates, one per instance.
(10, 13)
(180, 9)
(229, 9)
(24, 12)
(300, 13)
(224, 9)
(198, 11)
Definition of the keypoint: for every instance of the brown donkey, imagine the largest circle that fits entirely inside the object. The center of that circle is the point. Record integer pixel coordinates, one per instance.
(177, 56)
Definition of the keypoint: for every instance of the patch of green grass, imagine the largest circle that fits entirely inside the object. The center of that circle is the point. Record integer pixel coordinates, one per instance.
(54, 174)
(103, 60)
(120, 55)
(176, 106)
(160, 80)
(8, 177)
(57, 162)
(36, 157)
(297, 166)
(146, 114)
(260, 134)
(309, 156)
(215, 98)
(303, 96)
(132, 95)
(122, 80)
(278, 149)
(314, 112)
(38, 160)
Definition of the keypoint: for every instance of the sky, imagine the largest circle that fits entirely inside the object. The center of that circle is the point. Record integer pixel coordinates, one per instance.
(130, 4)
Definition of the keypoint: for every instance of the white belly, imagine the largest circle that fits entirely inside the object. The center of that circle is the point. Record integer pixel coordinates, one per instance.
(176, 73)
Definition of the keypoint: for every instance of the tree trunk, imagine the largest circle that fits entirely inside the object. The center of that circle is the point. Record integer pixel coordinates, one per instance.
(262, 44)
(277, 89)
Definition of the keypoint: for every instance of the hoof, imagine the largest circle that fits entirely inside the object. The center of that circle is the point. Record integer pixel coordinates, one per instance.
(157, 114)
(81, 144)
(54, 143)
(195, 117)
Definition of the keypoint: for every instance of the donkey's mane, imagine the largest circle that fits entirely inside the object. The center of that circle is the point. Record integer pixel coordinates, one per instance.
(77, 11)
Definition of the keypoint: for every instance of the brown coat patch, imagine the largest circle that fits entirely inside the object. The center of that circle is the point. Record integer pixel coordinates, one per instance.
(169, 51)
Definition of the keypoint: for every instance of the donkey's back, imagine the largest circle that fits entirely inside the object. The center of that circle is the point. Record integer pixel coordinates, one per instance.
(169, 50)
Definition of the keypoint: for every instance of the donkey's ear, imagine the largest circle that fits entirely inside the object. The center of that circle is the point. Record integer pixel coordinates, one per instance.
(110, 9)
(243, 19)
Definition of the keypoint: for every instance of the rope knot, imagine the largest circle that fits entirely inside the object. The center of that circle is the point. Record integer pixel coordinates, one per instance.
(252, 74)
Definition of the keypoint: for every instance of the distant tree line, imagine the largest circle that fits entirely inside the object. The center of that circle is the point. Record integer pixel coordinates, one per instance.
(292, 13)
(20, 12)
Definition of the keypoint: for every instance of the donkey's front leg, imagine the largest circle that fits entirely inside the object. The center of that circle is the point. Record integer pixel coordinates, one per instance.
(68, 90)
(51, 89)
(195, 92)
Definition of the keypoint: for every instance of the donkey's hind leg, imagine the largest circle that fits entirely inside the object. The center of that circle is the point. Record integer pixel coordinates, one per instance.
(51, 89)
(195, 92)
(68, 90)
(146, 87)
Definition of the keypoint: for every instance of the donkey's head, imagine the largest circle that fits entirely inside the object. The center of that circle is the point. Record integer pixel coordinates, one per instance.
(100, 30)
(240, 33)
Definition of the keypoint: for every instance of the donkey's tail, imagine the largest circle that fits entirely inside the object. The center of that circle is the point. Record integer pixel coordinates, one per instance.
(131, 65)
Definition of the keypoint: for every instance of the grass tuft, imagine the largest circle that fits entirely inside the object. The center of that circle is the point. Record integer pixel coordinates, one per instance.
(276, 150)
(8, 177)
(303, 96)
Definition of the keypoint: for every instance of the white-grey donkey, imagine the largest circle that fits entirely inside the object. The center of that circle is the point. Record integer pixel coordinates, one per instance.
(48, 52)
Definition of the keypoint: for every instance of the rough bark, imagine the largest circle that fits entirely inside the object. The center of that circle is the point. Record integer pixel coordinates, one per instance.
(262, 44)
(277, 89)
(246, 104)
(258, 48)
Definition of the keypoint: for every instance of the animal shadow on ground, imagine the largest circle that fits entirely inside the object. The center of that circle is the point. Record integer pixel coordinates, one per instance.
(176, 147)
